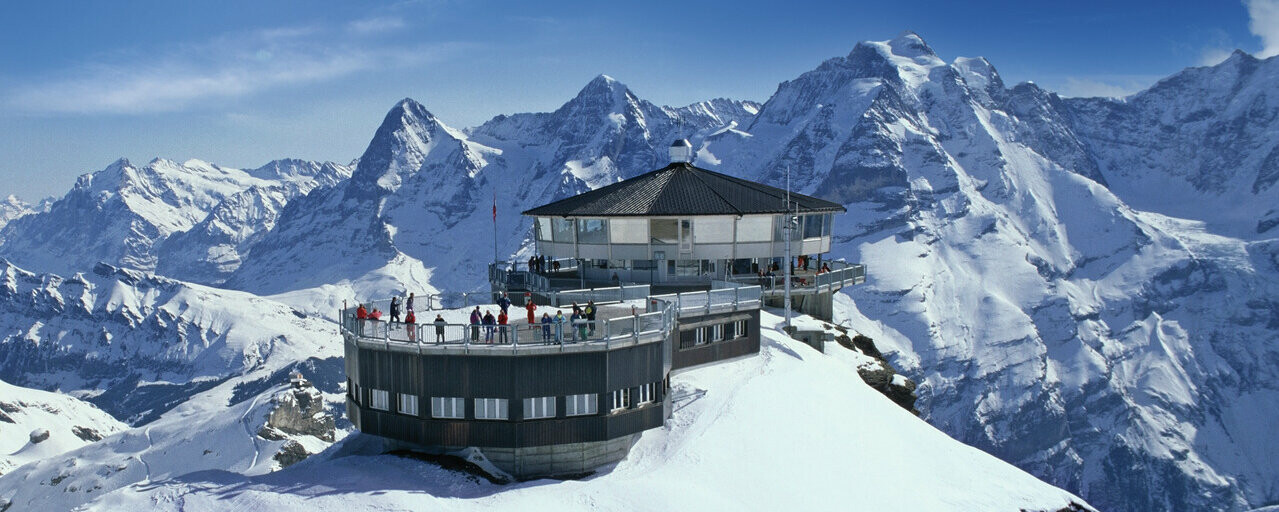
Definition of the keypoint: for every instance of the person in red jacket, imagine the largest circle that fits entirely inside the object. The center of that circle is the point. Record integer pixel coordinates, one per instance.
(376, 314)
(502, 327)
(361, 315)
(410, 325)
(531, 307)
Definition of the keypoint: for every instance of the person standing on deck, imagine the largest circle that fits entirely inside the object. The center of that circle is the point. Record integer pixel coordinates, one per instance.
(475, 325)
(559, 327)
(531, 307)
(502, 328)
(410, 325)
(546, 328)
(589, 313)
(578, 323)
(489, 322)
(439, 328)
(504, 302)
(395, 309)
(408, 304)
(361, 315)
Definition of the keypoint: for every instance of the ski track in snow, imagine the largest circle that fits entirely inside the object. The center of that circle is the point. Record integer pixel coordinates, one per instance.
(253, 437)
(145, 465)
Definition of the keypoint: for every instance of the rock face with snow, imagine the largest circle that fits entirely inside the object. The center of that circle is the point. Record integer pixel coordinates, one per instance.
(123, 213)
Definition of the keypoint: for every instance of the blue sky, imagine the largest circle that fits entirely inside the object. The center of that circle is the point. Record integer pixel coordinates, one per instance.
(241, 83)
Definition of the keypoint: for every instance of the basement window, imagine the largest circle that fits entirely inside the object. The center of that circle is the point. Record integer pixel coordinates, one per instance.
(448, 407)
(491, 408)
(380, 399)
(539, 408)
(582, 405)
(408, 404)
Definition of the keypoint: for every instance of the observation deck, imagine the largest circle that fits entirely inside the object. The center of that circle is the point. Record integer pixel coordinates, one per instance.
(535, 404)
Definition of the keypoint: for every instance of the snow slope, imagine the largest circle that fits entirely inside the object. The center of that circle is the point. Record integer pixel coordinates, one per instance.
(742, 437)
(59, 422)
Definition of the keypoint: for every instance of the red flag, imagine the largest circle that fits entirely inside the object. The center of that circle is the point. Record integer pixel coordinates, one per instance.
(495, 207)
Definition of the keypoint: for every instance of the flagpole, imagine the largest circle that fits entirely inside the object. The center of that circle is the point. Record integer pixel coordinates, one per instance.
(495, 258)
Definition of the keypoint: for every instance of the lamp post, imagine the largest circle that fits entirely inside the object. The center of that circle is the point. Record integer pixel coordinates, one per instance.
(788, 229)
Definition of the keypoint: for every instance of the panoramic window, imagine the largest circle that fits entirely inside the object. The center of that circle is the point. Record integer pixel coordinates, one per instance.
(755, 228)
(538, 408)
(592, 231)
(563, 230)
(812, 226)
(544, 229)
(628, 231)
(581, 405)
(827, 222)
(713, 230)
(380, 399)
(448, 407)
(408, 404)
(664, 231)
(491, 408)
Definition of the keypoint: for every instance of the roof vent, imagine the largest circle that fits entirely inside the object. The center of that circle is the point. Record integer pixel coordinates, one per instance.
(681, 151)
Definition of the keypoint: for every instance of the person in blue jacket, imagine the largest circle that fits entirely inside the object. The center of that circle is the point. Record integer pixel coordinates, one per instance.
(546, 328)
(559, 326)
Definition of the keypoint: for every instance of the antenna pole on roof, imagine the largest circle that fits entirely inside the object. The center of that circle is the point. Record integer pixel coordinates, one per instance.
(789, 230)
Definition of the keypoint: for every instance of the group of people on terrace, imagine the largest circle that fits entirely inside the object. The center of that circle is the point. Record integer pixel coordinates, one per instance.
(540, 265)
(495, 328)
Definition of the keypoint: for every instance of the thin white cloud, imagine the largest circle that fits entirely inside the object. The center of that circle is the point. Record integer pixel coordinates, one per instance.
(228, 66)
(380, 25)
(1264, 23)
(1213, 56)
(1118, 87)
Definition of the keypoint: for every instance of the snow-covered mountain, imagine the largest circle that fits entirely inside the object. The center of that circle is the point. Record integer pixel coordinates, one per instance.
(418, 208)
(12, 207)
(1123, 354)
(1199, 145)
(122, 214)
(136, 344)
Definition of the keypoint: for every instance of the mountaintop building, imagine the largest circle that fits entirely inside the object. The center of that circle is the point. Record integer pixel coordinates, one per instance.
(679, 262)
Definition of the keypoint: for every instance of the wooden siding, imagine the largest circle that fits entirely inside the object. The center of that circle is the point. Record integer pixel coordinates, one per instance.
(514, 378)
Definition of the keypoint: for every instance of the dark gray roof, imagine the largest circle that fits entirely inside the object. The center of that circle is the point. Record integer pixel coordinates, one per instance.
(681, 189)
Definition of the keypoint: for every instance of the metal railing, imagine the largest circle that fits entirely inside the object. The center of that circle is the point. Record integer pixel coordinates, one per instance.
(561, 334)
(564, 333)
(712, 301)
(599, 295)
(519, 275)
(841, 274)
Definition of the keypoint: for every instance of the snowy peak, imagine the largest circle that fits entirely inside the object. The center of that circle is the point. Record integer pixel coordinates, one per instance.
(911, 46)
(408, 133)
